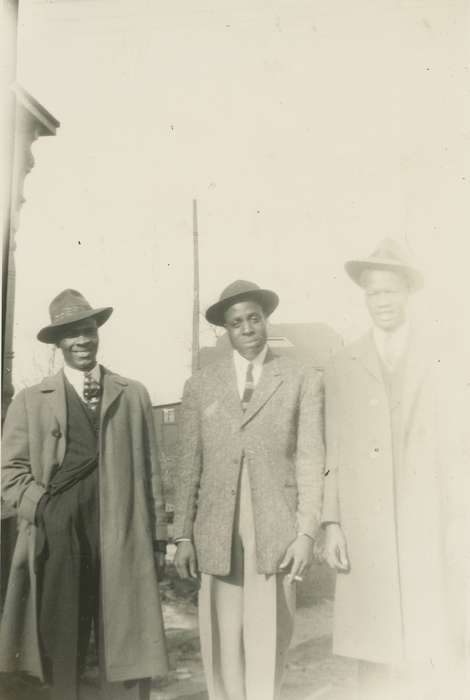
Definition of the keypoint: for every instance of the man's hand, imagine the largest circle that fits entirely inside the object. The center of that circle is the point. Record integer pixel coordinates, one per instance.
(335, 550)
(185, 560)
(299, 555)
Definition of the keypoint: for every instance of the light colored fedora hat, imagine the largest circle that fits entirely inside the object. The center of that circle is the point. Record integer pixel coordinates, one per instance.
(389, 255)
(241, 290)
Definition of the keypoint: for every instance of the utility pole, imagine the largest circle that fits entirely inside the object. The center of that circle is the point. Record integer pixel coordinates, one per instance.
(195, 345)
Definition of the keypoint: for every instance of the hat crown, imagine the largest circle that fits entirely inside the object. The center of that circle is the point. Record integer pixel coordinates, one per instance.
(238, 287)
(66, 305)
(391, 250)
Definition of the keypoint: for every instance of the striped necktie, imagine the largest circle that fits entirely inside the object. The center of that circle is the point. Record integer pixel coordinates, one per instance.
(249, 386)
(91, 391)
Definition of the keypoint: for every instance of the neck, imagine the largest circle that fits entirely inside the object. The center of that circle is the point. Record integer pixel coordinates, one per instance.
(81, 369)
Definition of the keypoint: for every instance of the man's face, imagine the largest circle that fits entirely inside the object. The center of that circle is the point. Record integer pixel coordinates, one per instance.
(386, 298)
(246, 326)
(79, 344)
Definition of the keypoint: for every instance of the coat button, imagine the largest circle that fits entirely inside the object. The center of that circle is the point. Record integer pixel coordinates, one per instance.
(373, 402)
(374, 453)
(56, 433)
(233, 492)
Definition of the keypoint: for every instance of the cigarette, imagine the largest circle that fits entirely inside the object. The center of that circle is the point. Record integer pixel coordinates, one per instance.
(298, 578)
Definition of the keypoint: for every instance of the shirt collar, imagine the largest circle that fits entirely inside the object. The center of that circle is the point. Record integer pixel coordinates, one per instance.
(76, 376)
(241, 362)
(399, 336)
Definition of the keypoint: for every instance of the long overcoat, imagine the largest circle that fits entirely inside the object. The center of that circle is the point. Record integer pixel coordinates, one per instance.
(390, 491)
(131, 514)
(280, 438)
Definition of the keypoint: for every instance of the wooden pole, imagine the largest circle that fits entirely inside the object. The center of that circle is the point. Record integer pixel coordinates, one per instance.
(195, 345)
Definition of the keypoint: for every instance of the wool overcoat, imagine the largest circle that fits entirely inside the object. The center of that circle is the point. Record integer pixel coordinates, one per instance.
(390, 489)
(131, 514)
(280, 438)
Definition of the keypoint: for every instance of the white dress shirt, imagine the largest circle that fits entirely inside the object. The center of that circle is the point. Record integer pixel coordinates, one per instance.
(77, 378)
(241, 364)
(391, 346)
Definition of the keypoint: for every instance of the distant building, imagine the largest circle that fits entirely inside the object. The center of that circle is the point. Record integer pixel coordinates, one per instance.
(166, 419)
(310, 343)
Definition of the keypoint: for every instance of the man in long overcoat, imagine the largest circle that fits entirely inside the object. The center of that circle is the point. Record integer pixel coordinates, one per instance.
(249, 486)
(80, 467)
(388, 485)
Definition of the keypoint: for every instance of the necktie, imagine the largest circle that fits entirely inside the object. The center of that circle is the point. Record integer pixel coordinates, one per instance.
(91, 391)
(249, 386)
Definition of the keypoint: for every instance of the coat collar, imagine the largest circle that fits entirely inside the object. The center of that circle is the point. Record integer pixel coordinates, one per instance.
(270, 379)
(417, 365)
(365, 351)
(54, 387)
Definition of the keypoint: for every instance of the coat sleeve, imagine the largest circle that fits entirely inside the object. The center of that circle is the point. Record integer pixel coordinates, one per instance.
(310, 454)
(330, 509)
(20, 491)
(189, 467)
(155, 493)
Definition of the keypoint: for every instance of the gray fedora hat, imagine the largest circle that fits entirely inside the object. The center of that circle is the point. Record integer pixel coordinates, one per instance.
(241, 290)
(389, 255)
(69, 307)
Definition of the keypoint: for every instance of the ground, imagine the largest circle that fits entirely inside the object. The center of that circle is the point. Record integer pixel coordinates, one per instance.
(312, 671)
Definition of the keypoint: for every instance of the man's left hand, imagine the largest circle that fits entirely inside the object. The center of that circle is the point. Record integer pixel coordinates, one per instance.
(299, 556)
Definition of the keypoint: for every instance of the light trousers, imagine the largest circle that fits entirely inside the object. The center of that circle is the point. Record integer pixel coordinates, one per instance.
(245, 619)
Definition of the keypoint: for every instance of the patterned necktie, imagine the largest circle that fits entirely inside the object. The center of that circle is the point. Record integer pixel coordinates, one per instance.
(249, 386)
(91, 391)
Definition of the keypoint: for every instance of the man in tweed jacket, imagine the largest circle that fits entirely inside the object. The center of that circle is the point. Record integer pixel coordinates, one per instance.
(249, 488)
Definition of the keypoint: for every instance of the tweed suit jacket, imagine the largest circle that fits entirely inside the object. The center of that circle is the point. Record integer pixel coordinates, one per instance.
(280, 438)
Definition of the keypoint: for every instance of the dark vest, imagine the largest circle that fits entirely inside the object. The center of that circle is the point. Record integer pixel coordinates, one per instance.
(81, 455)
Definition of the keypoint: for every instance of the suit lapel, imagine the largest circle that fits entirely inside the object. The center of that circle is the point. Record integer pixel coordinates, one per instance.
(417, 365)
(227, 385)
(113, 386)
(53, 389)
(365, 351)
(270, 380)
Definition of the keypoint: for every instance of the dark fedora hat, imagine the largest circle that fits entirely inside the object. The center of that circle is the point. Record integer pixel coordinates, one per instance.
(241, 290)
(389, 255)
(69, 307)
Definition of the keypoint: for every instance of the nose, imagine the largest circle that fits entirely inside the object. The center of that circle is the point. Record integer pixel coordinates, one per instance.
(247, 328)
(382, 301)
(83, 340)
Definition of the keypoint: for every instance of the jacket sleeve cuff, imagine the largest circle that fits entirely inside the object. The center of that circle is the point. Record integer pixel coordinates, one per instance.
(31, 496)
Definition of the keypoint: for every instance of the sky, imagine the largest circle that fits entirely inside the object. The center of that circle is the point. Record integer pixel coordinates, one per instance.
(307, 132)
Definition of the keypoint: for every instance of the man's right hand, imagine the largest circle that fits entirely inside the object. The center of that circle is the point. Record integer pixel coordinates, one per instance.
(335, 549)
(185, 560)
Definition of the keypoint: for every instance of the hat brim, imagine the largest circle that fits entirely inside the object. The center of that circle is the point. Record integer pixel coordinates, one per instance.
(355, 268)
(267, 299)
(50, 334)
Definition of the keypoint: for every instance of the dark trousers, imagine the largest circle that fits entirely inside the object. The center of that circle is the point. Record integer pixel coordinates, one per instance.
(70, 594)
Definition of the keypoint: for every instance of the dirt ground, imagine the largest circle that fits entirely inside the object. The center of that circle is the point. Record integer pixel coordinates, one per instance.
(312, 671)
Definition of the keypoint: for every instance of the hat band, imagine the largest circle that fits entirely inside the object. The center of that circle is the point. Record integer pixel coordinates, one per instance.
(69, 311)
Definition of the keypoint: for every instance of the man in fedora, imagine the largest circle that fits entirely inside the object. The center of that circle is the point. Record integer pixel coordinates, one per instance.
(80, 467)
(386, 487)
(248, 500)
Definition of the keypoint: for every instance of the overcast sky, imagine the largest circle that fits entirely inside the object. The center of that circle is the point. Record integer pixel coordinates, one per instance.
(307, 131)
